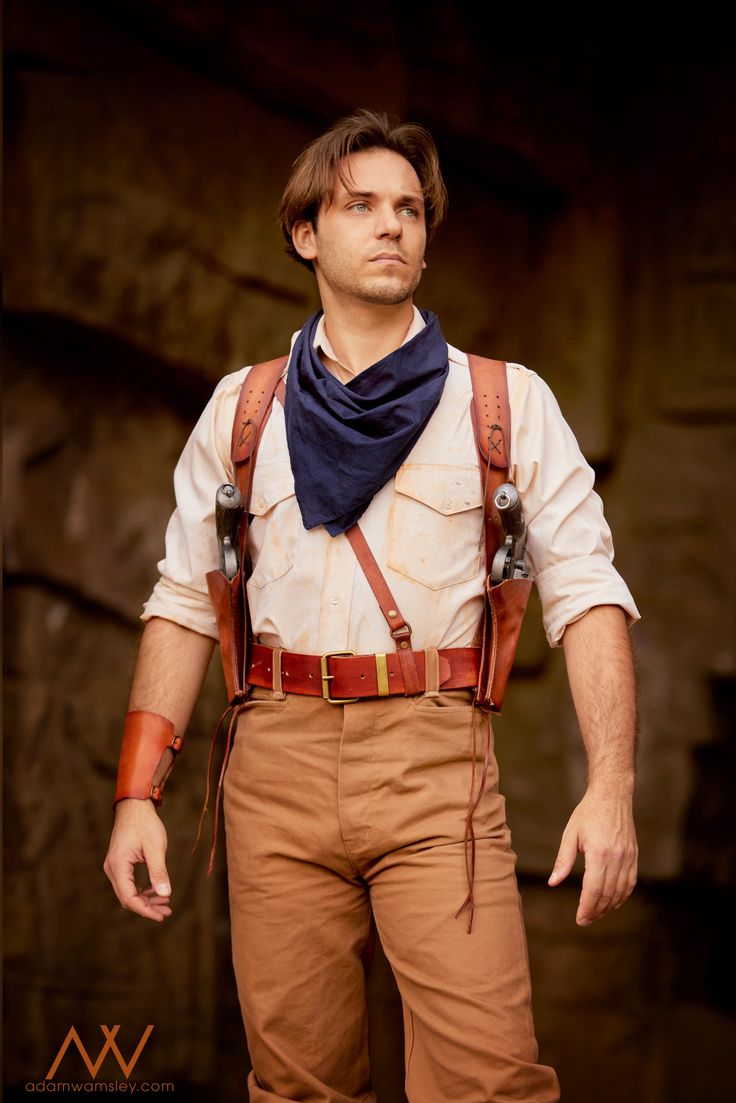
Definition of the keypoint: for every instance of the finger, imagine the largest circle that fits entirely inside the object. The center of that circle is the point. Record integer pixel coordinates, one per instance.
(565, 860)
(151, 894)
(153, 855)
(620, 891)
(123, 881)
(160, 903)
(611, 871)
(160, 907)
(593, 882)
(626, 875)
(630, 879)
(616, 869)
(120, 872)
(132, 899)
(148, 910)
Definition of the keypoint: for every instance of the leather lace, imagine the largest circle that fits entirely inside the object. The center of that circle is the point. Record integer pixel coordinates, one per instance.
(469, 902)
(234, 709)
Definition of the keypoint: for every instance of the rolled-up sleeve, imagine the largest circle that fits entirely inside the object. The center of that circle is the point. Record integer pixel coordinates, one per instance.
(569, 547)
(181, 594)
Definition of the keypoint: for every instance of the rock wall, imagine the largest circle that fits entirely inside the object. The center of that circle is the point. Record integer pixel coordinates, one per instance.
(590, 237)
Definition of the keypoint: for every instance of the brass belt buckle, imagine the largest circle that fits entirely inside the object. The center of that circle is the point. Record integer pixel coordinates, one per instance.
(326, 676)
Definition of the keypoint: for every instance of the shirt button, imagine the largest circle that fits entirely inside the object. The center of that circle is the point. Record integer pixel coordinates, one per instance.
(335, 600)
(448, 503)
(260, 502)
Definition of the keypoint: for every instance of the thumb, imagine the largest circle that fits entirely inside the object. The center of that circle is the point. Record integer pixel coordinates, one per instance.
(565, 860)
(157, 870)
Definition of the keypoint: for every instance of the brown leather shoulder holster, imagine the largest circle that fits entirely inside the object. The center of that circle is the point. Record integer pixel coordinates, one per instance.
(504, 602)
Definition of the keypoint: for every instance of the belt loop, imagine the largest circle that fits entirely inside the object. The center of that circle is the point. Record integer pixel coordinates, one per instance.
(278, 692)
(431, 672)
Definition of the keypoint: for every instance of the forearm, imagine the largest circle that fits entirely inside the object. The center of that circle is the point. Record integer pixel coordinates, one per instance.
(600, 670)
(169, 671)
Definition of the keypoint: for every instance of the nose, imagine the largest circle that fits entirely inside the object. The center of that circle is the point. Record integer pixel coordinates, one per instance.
(388, 223)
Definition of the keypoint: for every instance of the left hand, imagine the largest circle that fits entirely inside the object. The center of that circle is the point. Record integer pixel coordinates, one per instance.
(602, 827)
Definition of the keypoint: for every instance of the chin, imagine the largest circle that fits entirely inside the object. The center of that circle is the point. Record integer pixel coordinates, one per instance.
(387, 294)
(386, 298)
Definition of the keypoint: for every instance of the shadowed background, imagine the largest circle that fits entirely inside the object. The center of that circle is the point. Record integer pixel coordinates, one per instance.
(591, 237)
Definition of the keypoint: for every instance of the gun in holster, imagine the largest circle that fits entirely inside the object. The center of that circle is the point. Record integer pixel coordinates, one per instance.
(508, 562)
(228, 505)
(506, 598)
(226, 588)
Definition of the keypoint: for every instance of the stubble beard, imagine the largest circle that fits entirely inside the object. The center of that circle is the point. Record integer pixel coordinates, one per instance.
(384, 296)
(383, 292)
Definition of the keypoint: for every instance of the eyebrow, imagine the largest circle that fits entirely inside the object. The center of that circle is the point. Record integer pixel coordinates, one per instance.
(407, 197)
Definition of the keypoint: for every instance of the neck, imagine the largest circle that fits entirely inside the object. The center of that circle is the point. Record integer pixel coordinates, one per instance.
(363, 333)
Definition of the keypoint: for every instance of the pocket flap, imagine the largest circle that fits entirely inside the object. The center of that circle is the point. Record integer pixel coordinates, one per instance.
(272, 482)
(444, 487)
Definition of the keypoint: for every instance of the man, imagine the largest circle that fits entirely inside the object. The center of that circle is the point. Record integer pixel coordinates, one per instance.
(336, 812)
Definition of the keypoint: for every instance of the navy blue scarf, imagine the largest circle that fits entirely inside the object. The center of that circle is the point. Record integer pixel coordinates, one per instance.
(346, 440)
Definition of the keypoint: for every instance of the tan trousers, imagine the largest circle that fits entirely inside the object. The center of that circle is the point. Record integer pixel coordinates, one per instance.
(334, 811)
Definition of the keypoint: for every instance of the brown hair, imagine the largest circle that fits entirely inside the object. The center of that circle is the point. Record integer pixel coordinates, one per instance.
(312, 177)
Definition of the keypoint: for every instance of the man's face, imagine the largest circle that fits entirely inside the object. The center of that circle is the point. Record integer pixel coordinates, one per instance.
(370, 240)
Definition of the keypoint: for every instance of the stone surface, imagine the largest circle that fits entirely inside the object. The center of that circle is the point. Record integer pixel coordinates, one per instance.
(140, 205)
(73, 956)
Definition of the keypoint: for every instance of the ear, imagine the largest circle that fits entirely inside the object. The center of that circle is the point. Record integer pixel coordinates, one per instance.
(424, 264)
(303, 236)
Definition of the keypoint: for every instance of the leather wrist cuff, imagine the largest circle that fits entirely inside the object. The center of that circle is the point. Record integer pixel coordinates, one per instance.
(147, 756)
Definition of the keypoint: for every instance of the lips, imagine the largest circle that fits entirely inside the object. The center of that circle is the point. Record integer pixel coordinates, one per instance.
(389, 256)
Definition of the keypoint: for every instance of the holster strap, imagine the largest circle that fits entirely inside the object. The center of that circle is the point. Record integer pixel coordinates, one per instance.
(398, 626)
(356, 676)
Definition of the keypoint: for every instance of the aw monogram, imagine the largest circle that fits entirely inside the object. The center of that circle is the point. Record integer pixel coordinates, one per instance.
(110, 1044)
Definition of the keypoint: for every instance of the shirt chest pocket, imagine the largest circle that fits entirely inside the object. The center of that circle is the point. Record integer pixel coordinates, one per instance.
(436, 524)
(275, 524)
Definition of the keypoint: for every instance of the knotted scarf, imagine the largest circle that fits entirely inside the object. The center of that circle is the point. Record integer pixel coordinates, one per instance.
(346, 440)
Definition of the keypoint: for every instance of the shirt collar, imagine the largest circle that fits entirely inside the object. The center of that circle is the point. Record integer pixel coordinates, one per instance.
(342, 371)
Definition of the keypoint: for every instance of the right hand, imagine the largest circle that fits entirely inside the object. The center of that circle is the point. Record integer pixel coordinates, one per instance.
(139, 836)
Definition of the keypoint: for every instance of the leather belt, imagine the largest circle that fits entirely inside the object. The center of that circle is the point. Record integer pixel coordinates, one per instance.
(341, 677)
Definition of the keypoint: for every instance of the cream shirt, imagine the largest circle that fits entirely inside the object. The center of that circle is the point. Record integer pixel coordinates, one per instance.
(308, 593)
